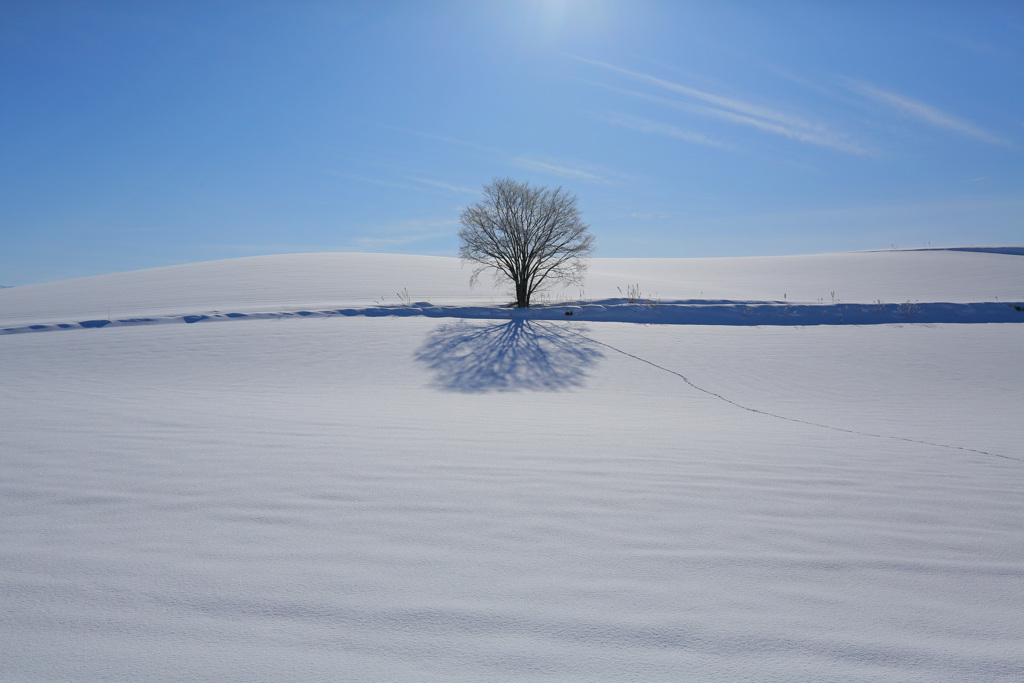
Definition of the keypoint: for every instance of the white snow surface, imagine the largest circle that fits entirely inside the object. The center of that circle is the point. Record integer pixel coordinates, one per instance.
(401, 494)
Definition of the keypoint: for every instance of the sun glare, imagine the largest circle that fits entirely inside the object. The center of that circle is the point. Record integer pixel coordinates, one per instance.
(556, 20)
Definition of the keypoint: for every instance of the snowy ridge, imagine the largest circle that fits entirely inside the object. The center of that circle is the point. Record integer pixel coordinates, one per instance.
(933, 286)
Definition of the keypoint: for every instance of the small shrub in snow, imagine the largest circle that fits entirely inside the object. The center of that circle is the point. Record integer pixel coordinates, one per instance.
(908, 310)
(635, 296)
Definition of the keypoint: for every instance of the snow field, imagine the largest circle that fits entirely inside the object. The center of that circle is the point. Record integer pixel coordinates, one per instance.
(381, 498)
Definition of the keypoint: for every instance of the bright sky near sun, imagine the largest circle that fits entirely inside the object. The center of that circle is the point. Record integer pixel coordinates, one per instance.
(141, 134)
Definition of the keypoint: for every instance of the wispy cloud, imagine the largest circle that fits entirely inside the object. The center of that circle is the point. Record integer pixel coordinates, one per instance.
(446, 186)
(643, 125)
(375, 243)
(966, 43)
(265, 249)
(649, 214)
(738, 111)
(718, 100)
(375, 181)
(441, 138)
(923, 112)
(550, 167)
(404, 233)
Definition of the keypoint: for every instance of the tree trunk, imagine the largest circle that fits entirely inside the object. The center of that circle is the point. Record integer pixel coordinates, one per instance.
(522, 295)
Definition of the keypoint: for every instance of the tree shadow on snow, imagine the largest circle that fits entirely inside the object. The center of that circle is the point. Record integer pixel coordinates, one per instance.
(512, 356)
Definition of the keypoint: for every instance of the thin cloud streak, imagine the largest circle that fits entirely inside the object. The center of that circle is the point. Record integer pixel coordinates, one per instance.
(642, 125)
(398, 241)
(553, 168)
(374, 181)
(445, 186)
(808, 136)
(441, 138)
(738, 112)
(404, 233)
(950, 209)
(724, 102)
(923, 112)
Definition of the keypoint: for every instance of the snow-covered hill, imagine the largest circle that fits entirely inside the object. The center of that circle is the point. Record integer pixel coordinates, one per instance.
(851, 287)
(374, 496)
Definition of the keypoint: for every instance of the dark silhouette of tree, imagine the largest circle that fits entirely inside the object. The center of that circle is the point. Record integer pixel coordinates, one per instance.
(531, 235)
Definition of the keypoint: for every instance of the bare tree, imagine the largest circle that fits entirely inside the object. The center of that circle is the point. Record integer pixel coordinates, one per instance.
(531, 235)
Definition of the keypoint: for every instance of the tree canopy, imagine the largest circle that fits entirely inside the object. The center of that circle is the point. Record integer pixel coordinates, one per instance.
(531, 235)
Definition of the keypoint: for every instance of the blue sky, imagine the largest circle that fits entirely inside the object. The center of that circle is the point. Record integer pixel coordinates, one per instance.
(141, 134)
